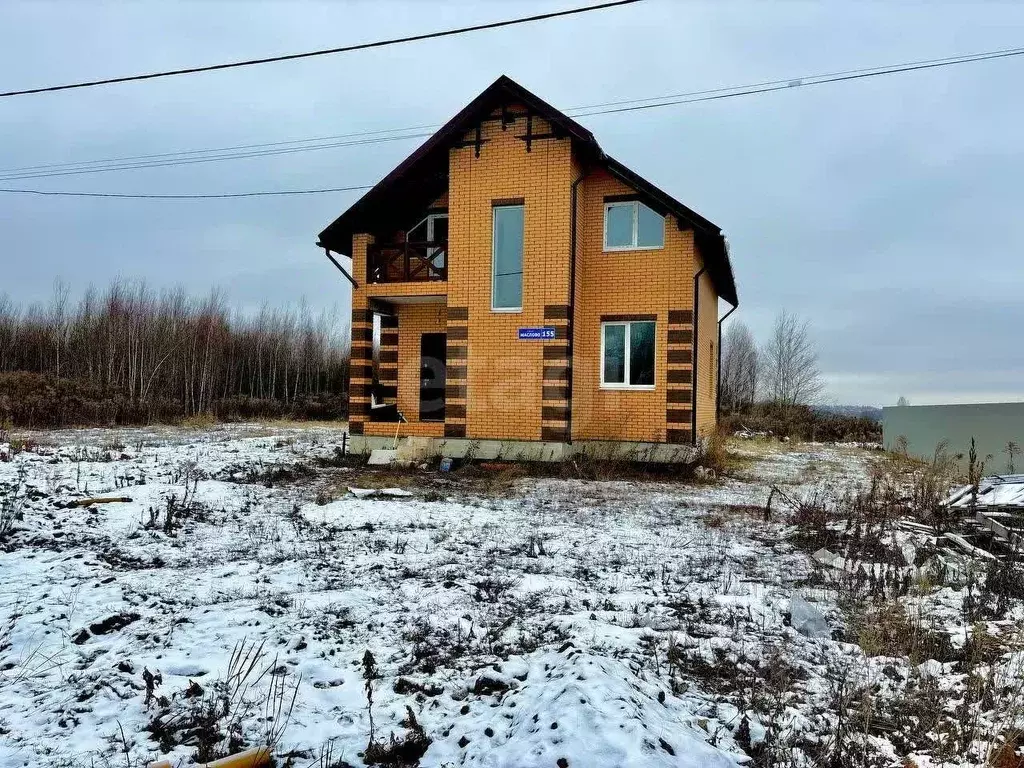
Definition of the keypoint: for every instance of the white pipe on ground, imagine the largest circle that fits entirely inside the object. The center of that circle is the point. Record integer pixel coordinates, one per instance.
(257, 757)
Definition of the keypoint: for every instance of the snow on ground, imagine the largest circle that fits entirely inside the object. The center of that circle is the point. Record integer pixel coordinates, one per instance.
(522, 622)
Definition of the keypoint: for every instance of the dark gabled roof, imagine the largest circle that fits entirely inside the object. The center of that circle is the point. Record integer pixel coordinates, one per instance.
(422, 177)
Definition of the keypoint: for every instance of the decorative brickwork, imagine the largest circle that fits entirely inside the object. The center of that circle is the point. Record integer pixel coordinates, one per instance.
(499, 386)
(679, 390)
(455, 389)
(361, 363)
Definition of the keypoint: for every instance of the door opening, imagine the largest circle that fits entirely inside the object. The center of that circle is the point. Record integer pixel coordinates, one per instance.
(432, 376)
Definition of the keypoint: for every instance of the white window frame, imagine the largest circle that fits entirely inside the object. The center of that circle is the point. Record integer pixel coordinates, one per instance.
(628, 340)
(430, 218)
(635, 205)
(522, 288)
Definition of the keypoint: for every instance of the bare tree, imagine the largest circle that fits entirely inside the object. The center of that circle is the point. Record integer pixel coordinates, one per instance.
(174, 353)
(790, 363)
(740, 367)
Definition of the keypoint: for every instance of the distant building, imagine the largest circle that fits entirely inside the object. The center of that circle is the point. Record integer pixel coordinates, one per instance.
(528, 289)
(924, 427)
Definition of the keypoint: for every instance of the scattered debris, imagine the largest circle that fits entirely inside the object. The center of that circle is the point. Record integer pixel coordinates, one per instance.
(365, 493)
(807, 620)
(382, 457)
(106, 500)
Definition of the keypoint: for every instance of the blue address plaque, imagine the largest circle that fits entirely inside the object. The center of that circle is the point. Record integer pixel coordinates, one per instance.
(542, 333)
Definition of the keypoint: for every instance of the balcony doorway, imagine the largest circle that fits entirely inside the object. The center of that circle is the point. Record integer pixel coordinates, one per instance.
(432, 231)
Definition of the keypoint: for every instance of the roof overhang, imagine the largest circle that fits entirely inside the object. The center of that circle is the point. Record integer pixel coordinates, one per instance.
(422, 178)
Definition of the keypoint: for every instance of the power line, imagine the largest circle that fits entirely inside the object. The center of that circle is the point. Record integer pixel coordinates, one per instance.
(322, 52)
(206, 159)
(647, 103)
(185, 152)
(274, 193)
(820, 80)
(881, 69)
(290, 146)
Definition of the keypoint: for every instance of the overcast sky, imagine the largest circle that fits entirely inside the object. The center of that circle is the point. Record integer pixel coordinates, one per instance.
(887, 211)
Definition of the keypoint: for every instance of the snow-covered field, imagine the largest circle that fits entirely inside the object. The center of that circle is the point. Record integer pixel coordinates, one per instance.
(510, 621)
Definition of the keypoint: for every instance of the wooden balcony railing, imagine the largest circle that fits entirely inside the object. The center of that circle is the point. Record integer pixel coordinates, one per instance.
(407, 262)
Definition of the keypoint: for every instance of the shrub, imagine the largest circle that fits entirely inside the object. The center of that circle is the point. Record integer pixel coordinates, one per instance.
(41, 401)
(12, 499)
(802, 422)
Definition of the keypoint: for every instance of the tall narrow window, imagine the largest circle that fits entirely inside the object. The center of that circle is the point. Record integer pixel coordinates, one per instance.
(631, 225)
(507, 259)
(627, 355)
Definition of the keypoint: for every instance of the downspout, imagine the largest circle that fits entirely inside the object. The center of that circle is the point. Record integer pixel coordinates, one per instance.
(341, 269)
(718, 387)
(571, 325)
(696, 348)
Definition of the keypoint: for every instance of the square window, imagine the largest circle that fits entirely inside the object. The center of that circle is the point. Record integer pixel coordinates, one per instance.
(627, 355)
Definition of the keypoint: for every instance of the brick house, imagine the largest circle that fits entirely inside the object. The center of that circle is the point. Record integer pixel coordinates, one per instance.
(517, 289)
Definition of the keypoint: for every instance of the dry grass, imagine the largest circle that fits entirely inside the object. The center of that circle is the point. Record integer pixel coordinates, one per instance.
(199, 421)
(886, 629)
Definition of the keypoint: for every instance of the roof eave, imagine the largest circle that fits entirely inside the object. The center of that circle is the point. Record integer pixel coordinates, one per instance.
(338, 234)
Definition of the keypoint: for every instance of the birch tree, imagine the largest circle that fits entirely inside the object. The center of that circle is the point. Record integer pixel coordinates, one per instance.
(740, 367)
(790, 363)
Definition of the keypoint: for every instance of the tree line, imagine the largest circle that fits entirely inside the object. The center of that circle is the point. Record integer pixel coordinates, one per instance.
(179, 354)
(773, 387)
(783, 371)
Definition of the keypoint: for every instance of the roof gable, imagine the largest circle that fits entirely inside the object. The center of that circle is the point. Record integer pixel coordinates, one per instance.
(421, 177)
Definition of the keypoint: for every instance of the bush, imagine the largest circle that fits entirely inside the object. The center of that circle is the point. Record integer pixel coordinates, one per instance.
(802, 422)
(40, 401)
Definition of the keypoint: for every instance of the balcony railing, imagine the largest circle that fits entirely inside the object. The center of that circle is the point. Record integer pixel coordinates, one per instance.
(407, 262)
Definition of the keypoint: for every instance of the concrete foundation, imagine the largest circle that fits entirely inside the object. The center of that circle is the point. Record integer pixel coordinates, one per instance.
(525, 450)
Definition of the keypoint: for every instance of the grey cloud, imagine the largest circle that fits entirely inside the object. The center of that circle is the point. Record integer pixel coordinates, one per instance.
(886, 211)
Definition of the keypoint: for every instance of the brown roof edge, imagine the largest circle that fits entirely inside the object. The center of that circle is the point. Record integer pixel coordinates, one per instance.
(715, 251)
(338, 235)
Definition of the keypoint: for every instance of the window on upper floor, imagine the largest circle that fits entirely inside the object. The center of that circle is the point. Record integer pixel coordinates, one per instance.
(507, 258)
(630, 225)
(627, 355)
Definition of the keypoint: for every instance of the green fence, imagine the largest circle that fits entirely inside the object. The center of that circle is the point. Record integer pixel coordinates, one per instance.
(992, 425)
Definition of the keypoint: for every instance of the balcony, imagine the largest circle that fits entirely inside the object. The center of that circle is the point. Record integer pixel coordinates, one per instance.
(409, 262)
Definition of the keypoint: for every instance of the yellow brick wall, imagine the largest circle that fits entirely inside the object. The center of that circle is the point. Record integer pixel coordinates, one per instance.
(500, 387)
(413, 321)
(416, 428)
(707, 357)
(504, 384)
(384, 290)
(650, 281)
